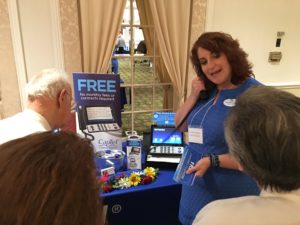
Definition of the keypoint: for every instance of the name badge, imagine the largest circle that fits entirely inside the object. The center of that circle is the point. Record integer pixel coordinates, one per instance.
(195, 135)
(229, 102)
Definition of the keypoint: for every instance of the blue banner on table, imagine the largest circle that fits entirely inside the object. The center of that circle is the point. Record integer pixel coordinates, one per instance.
(98, 109)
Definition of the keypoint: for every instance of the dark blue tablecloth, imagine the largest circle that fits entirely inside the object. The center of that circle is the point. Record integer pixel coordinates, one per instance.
(152, 204)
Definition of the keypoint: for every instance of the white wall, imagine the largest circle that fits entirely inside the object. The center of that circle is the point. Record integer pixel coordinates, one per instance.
(40, 34)
(36, 29)
(36, 37)
(255, 24)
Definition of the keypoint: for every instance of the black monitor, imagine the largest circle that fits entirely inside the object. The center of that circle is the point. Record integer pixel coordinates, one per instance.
(162, 135)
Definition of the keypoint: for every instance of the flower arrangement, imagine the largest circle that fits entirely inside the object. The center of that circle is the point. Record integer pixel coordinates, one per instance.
(109, 183)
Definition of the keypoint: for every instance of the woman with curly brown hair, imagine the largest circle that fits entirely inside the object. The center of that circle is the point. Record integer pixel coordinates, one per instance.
(223, 73)
(48, 178)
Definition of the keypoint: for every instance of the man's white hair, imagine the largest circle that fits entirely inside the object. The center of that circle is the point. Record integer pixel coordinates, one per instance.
(48, 82)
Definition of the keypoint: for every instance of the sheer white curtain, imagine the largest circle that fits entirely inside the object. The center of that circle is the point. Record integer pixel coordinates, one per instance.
(100, 24)
(172, 20)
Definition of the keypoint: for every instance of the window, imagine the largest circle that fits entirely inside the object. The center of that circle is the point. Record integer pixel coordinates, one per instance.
(139, 65)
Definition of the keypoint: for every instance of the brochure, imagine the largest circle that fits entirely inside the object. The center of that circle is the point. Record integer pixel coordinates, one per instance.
(189, 158)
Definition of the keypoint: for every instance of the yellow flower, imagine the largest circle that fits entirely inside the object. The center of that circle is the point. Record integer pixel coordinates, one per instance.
(134, 179)
(150, 171)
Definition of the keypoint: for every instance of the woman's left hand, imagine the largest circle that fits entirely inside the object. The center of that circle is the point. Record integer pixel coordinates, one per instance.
(200, 168)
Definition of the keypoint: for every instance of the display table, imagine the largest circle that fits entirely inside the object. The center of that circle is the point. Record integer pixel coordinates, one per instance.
(151, 204)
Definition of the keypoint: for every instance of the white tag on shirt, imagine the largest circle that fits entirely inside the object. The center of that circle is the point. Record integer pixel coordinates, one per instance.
(195, 135)
(229, 102)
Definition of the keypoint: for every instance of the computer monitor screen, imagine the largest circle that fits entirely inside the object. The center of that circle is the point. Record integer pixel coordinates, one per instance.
(166, 136)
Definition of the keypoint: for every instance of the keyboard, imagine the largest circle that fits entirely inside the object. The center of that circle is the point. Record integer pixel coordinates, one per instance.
(166, 150)
(102, 127)
(164, 156)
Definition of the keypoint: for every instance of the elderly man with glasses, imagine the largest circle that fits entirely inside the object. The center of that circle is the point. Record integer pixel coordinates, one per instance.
(49, 106)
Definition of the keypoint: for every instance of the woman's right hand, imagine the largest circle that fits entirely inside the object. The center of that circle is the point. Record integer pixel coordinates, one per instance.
(197, 86)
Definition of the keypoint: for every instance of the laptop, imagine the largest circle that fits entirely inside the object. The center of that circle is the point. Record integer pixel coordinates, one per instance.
(166, 146)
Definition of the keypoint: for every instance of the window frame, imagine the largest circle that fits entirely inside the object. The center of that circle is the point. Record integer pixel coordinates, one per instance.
(132, 56)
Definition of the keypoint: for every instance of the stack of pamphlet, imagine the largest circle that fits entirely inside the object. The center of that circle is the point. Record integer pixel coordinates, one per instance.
(189, 158)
